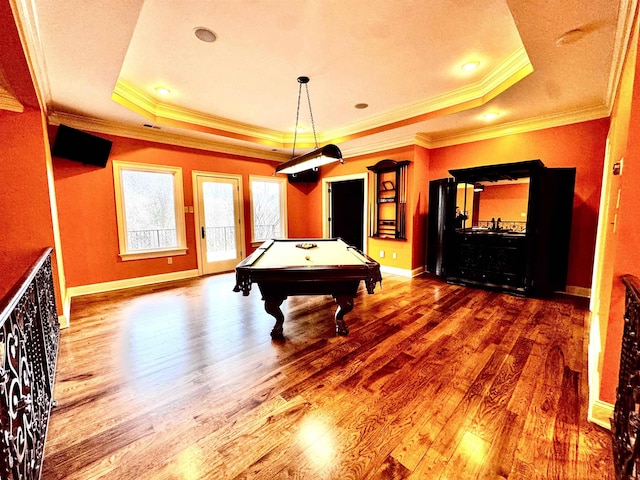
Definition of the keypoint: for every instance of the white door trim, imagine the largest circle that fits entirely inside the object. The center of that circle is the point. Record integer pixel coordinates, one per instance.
(195, 174)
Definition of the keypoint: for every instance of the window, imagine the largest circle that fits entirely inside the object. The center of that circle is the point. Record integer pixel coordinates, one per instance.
(268, 208)
(150, 210)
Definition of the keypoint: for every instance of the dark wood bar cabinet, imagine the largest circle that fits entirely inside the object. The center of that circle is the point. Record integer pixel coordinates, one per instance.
(526, 252)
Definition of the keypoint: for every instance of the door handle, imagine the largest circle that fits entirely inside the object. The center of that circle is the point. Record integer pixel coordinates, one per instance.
(203, 234)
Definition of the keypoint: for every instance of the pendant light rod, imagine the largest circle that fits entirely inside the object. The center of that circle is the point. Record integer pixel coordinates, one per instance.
(303, 81)
(320, 156)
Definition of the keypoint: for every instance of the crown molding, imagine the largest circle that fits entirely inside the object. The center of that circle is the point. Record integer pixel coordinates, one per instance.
(8, 101)
(399, 142)
(127, 95)
(626, 17)
(523, 126)
(424, 140)
(24, 14)
(419, 139)
(142, 133)
(513, 69)
(486, 133)
(130, 96)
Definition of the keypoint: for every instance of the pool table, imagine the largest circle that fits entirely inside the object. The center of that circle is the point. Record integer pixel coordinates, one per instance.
(311, 266)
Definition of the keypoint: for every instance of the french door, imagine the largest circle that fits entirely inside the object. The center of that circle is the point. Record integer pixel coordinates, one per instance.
(218, 221)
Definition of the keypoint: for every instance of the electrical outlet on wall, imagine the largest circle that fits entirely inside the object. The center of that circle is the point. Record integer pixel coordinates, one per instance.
(381, 253)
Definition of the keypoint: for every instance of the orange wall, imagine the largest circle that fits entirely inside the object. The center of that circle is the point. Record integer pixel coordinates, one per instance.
(304, 210)
(622, 248)
(87, 213)
(87, 206)
(627, 260)
(420, 205)
(26, 225)
(87, 210)
(507, 202)
(580, 145)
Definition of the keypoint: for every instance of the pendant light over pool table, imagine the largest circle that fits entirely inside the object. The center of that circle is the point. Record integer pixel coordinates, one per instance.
(320, 156)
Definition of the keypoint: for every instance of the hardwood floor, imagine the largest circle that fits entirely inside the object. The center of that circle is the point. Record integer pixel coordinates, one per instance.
(434, 381)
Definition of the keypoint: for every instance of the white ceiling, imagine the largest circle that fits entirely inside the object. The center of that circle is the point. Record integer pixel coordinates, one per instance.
(98, 63)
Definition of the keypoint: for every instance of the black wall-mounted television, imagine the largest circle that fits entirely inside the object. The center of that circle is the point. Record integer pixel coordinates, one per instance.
(82, 147)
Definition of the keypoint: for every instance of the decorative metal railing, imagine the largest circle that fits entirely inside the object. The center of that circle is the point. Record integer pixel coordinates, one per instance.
(151, 239)
(267, 231)
(221, 239)
(29, 336)
(625, 424)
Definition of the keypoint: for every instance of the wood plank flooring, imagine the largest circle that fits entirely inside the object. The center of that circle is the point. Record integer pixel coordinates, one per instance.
(434, 381)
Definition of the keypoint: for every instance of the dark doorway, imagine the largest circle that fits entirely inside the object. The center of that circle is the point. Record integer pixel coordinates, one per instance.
(347, 211)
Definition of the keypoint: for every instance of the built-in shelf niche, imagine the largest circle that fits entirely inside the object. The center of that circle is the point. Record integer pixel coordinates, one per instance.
(389, 217)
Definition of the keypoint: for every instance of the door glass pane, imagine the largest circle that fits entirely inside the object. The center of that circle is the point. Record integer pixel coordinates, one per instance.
(149, 210)
(219, 220)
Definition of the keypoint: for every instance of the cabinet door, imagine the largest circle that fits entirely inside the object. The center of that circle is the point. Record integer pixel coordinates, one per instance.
(554, 205)
(442, 209)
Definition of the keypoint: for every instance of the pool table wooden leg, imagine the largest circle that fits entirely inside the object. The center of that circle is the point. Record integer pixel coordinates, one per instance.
(272, 306)
(345, 305)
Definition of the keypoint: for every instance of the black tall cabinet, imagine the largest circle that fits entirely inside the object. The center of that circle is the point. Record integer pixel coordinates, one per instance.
(442, 208)
(531, 260)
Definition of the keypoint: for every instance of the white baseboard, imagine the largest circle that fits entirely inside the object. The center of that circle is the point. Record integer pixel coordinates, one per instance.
(129, 282)
(403, 272)
(601, 414)
(63, 321)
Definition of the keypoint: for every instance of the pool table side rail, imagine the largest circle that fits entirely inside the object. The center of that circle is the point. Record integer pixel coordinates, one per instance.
(243, 281)
(368, 270)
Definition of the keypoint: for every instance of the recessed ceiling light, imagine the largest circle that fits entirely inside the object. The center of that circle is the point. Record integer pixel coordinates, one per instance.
(470, 66)
(300, 129)
(163, 90)
(205, 35)
(361, 106)
(490, 116)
